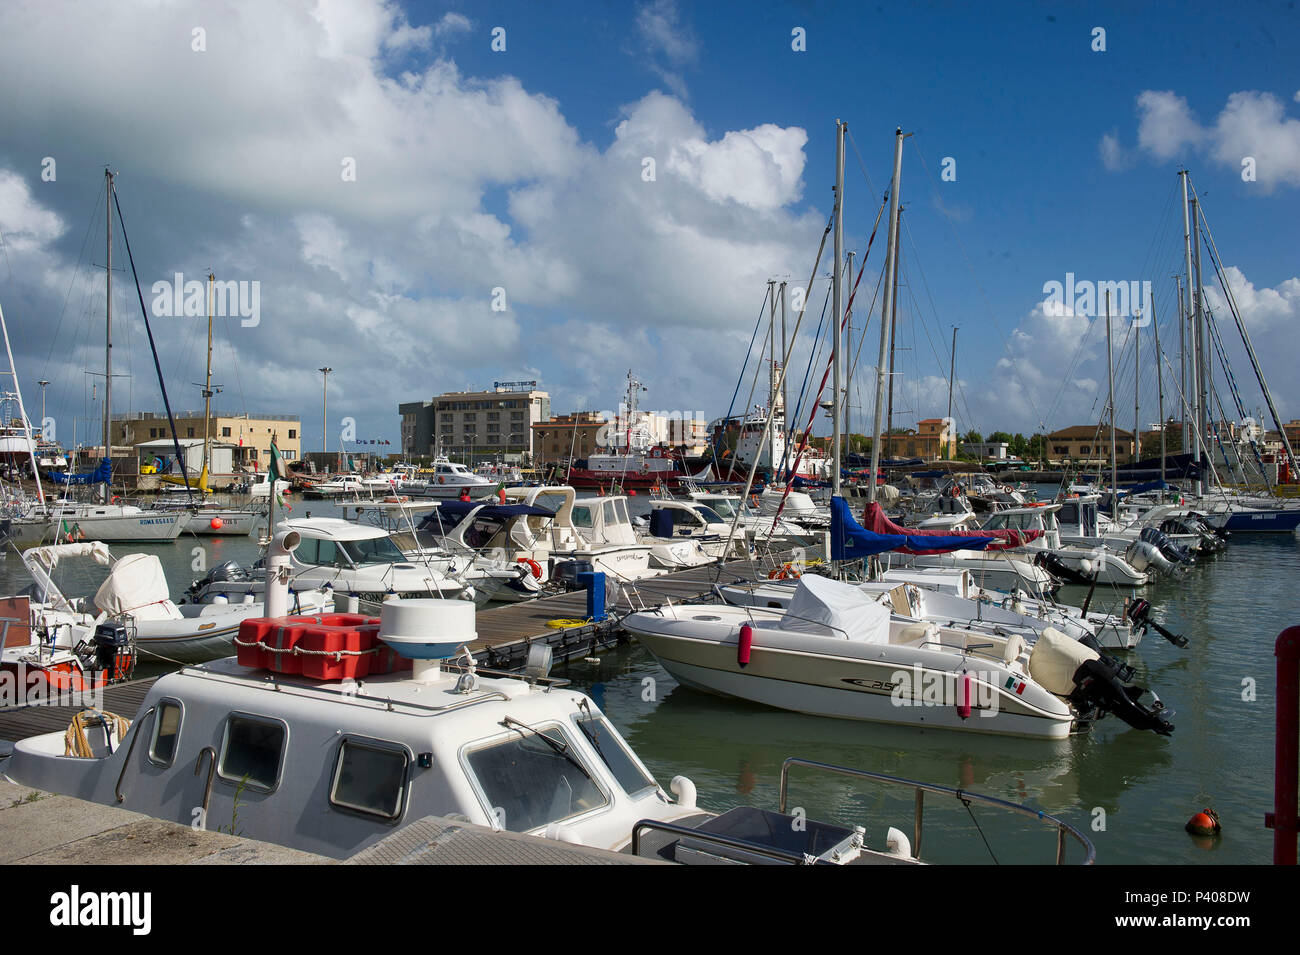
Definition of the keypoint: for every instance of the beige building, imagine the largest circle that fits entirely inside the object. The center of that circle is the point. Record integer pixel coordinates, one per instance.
(1088, 444)
(927, 442)
(485, 424)
(250, 436)
(574, 435)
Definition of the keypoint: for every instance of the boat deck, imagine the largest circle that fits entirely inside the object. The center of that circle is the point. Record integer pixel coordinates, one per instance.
(504, 637)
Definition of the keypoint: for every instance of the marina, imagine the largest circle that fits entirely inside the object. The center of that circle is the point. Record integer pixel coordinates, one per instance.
(665, 435)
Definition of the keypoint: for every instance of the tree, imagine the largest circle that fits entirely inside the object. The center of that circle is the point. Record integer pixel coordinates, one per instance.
(1000, 437)
(1019, 445)
(1037, 447)
(973, 437)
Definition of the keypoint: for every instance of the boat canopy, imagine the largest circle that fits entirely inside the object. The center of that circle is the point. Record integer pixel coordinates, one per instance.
(942, 541)
(830, 608)
(103, 474)
(851, 541)
(451, 513)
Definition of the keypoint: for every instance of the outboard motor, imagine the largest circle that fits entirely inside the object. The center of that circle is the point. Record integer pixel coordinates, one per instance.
(224, 572)
(565, 573)
(1060, 569)
(661, 522)
(113, 651)
(1172, 550)
(1139, 613)
(1096, 684)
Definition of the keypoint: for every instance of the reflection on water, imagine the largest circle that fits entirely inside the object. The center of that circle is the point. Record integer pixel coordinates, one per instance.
(1141, 787)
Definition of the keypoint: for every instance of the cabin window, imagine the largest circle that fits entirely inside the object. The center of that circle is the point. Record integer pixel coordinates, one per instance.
(615, 755)
(370, 777)
(528, 782)
(1069, 514)
(582, 517)
(252, 750)
(166, 733)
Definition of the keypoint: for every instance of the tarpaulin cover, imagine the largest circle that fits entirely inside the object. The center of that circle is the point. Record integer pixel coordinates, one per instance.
(941, 541)
(851, 541)
(103, 474)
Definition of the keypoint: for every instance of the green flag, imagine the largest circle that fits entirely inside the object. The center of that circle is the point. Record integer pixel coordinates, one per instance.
(275, 473)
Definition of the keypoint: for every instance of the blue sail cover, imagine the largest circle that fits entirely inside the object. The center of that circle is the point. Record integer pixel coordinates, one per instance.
(851, 541)
(103, 474)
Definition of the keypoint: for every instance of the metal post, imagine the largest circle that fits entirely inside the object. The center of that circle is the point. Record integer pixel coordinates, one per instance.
(108, 331)
(324, 416)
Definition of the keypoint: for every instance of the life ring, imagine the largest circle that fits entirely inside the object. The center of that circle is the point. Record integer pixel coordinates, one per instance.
(786, 572)
(116, 499)
(535, 567)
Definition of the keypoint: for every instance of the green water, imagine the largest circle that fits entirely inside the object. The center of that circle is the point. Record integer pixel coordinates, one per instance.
(1141, 787)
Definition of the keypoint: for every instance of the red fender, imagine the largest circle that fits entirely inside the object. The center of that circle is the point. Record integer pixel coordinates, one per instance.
(963, 696)
(744, 645)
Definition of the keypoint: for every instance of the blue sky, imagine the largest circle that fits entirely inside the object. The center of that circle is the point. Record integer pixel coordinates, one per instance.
(520, 169)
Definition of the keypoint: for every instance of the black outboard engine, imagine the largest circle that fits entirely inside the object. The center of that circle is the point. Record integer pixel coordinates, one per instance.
(224, 572)
(114, 651)
(565, 572)
(1139, 614)
(1094, 683)
(1060, 570)
(1167, 546)
(1104, 685)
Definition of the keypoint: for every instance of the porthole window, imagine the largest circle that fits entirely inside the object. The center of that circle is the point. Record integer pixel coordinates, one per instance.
(252, 750)
(166, 733)
(370, 777)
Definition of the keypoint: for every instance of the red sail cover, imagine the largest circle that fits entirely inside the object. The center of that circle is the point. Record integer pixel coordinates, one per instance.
(874, 520)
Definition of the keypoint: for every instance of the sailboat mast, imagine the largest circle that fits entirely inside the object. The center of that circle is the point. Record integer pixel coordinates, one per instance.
(22, 411)
(1202, 359)
(1193, 337)
(1160, 395)
(884, 312)
(1137, 380)
(893, 334)
(952, 371)
(1182, 365)
(1110, 379)
(108, 327)
(785, 394)
(771, 373)
(207, 381)
(837, 308)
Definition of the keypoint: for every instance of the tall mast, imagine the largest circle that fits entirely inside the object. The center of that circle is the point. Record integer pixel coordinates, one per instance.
(1160, 394)
(1137, 380)
(108, 328)
(207, 381)
(952, 373)
(893, 338)
(785, 407)
(1203, 364)
(1182, 366)
(771, 373)
(894, 185)
(22, 411)
(1110, 378)
(837, 308)
(1193, 337)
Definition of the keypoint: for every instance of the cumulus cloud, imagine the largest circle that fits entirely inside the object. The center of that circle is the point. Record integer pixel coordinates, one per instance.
(464, 184)
(1252, 125)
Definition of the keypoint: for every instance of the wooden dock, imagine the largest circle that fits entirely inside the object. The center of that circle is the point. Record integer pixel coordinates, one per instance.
(504, 637)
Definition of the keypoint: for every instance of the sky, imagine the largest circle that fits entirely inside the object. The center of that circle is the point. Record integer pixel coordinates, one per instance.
(429, 197)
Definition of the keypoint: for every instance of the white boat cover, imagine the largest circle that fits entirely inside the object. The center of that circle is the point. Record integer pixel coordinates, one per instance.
(137, 586)
(50, 555)
(829, 608)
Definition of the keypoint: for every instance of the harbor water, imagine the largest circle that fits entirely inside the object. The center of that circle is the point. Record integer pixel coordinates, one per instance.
(1130, 792)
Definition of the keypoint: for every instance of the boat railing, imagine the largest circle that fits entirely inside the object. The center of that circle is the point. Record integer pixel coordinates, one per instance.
(1063, 829)
(727, 842)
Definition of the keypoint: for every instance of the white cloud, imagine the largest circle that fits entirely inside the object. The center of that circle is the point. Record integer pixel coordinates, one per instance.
(1251, 124)
(668, 44)
(1112, 154)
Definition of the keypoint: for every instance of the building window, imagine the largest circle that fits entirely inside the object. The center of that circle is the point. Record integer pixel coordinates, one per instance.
(189, 432)
(293, 433)
(225, 432)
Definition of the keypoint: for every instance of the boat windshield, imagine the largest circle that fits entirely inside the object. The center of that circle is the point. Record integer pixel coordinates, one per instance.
(709, 515)
(377, 550)
(724, 506)
(532, 778)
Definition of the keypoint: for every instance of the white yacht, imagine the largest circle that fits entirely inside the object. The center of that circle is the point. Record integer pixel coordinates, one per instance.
(451, 480)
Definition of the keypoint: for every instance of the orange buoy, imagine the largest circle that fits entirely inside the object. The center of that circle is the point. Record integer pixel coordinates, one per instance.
(631, 492)
(1204, 823)
(216, 523)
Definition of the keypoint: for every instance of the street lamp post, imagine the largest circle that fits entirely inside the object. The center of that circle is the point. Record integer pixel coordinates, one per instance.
(324, 417)
(42, 383)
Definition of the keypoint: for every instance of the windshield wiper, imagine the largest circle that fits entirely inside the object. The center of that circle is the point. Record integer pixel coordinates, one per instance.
(559, 746)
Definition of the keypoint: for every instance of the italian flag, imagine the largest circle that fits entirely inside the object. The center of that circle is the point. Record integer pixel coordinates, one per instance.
(275, 470)
(1015, 686)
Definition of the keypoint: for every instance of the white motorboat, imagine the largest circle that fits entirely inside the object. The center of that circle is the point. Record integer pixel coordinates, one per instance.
(452, 480)
(114, 523)
(836, 652)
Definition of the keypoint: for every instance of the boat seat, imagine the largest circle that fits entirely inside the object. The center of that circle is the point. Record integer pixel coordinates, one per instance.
(918, 632)
(1014, 647)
